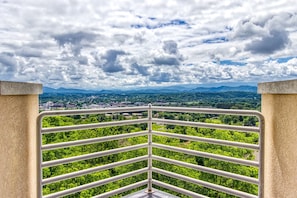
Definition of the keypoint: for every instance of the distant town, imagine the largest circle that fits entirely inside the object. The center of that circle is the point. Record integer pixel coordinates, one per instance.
(221, 97)
(50, 105)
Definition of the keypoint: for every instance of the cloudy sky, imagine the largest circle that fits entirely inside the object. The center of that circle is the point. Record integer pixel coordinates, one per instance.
(136, 43)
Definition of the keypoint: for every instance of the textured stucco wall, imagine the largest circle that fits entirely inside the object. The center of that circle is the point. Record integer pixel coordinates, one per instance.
(280, 153)
(280, 167)
(19, 109)
(18, 145)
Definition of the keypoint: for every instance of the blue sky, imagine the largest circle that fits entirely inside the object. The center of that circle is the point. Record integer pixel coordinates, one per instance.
(131, 43)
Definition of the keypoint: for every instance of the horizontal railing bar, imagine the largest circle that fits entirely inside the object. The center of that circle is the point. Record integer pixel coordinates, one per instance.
(96, 184)
(120, 190)
(207, 111)
(154, 108)
(92, 170)
(207, 155)
(207, 125)
(93, 155)
(177, 189)
(204, 184)
(208, 170)
(207, 140)
(92, 126)
(92, 140)
(93, 111)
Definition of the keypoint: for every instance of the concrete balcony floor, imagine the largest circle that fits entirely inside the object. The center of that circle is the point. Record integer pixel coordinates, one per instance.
(155, 194)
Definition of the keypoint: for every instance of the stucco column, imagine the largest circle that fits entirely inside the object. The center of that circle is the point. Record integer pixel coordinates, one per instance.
(18, 111)
(279, 107)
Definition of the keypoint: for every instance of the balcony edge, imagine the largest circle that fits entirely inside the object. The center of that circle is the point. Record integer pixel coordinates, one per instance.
(19, 88)
(278, 87)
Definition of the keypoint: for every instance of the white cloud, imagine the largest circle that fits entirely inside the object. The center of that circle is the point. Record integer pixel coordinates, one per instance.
(141, 43)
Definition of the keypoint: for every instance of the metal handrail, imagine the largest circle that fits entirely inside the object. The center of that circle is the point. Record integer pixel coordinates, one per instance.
(150, 181)
(203, 183)
(177, 189)
(207, 140)
(96, 183)
(123, 189)
(92, 170)
(92, 140)
(92, 126)
(208, 170)
(207, 125)
(207, 155)
(92, 155)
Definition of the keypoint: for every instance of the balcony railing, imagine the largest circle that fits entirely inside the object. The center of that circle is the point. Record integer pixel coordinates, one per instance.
(150, 157)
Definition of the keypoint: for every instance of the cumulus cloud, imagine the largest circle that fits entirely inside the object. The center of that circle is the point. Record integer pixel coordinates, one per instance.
(29, 52)
(143, 70)
(8, 59)
(121, 38)
(112, 63)
(139, 38)
(140, 43)
(170, 47)
(169, 55)
(276, 40)
(83, 60)
(268, 34)
(166, 60)
(8, 65)
(76, 40)
(160, 77)
(165, 75)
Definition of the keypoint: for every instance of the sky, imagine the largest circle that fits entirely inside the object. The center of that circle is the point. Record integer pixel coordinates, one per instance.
(99, 44)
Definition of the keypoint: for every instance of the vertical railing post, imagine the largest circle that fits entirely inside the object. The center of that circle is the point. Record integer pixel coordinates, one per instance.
(39, 155)
(150, 151)
(261, 156)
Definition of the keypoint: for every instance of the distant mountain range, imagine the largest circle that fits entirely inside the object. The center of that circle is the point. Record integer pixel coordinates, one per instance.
(244, 88)
(65, 90)
(169, 89)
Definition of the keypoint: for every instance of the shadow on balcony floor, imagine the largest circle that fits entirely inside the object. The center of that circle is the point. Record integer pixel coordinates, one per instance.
(156, 194)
